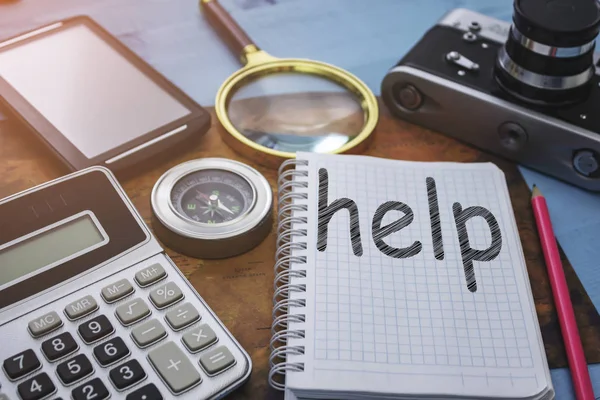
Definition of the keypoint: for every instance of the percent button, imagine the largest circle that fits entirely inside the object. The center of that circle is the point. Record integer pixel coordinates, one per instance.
(166, 295)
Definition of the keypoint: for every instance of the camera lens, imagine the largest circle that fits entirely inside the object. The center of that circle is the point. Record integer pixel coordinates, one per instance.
(548, 57)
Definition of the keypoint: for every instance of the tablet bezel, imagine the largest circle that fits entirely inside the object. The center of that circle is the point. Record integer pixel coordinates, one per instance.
(195, 123)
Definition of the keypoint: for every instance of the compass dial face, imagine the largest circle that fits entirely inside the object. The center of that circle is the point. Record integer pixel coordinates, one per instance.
(212, 196)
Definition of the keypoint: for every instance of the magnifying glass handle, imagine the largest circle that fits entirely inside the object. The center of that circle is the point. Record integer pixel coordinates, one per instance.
(220, 19)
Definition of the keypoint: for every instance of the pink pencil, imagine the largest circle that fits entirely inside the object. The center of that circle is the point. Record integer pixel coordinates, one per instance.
(562, 299)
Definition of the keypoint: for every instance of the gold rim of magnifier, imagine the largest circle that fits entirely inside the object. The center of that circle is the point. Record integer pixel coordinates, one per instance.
(259, 63)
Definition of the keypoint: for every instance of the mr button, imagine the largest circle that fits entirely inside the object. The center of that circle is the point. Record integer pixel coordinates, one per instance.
(81, 307)
(44, 324)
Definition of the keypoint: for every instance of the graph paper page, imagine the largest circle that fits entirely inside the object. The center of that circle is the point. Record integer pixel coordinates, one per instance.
(405, 318)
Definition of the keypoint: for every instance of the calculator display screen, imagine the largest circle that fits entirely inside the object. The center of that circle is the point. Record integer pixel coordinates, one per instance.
(49, 246)
(57, 232)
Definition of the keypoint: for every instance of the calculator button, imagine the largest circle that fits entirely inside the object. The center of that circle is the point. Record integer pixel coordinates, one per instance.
(174, 367)
(182, 316)
(111, 351)
(132, 311)
(81, 307)
(93, 389)
(21, 364)
(59, 346)
(95, 329)
(117, 290)
(74, 369)
(44, 324)
(166, 295)
(148, 333)
(217, 360)
(127, 374)
(199, 338)
(148, 392)
(36, 388)
(149, 275)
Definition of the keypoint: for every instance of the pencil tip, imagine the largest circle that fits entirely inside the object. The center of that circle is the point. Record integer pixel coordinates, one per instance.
(535, 192)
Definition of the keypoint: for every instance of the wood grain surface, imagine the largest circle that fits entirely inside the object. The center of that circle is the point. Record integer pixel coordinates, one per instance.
(239, 289)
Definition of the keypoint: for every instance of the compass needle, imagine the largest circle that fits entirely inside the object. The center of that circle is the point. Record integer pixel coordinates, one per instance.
(222, 207)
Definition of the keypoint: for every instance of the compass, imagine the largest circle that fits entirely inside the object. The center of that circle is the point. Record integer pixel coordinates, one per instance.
(212, 208)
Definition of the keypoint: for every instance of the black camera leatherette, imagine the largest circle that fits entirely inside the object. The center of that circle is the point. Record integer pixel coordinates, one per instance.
(429, 55)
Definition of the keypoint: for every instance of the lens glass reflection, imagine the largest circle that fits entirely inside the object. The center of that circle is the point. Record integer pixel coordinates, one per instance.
(293, 112)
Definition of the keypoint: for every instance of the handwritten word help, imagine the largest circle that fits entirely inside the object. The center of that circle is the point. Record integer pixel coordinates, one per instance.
(461, 217)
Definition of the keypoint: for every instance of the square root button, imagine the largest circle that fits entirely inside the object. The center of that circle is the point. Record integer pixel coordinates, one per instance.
(132, 311)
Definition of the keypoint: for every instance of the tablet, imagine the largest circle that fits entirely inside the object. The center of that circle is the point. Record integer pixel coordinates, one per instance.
(91, 99)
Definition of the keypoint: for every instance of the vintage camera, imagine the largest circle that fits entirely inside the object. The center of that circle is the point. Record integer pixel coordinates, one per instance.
(527, 91)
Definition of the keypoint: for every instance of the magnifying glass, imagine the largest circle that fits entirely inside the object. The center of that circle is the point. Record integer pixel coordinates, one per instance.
(273, 107)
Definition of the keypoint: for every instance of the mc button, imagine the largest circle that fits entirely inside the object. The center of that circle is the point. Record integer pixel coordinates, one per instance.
(44, 324)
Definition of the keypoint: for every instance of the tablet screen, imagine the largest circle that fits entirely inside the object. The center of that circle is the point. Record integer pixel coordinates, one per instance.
(88, 91)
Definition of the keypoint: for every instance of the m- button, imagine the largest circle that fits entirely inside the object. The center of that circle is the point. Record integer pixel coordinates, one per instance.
(149, 275)
(44, 324)
(117, 290)
(81, 307)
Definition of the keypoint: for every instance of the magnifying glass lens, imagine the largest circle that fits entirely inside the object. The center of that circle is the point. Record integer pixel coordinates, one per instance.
(296, 112)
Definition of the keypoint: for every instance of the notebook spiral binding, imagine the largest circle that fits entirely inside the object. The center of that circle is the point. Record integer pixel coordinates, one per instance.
(289, 239)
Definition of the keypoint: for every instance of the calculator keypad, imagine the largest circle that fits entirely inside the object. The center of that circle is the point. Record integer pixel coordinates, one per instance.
(74, 369)
(132, 311)
(59, 346)
(93, 389)
(165, 357)
(111, 351)
(148, 333)
(127, 374)
(217, 360)
(116, 290)
(199, 338)
(174, 367)
(182, 316)
(21, 364)
(147, 392)
(36, 387)
(166, 295)
(44, 324)
(80, 308)
(149, 275)
(95, 329)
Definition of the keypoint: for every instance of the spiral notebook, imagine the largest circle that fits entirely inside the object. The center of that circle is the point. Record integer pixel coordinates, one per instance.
(401, 280)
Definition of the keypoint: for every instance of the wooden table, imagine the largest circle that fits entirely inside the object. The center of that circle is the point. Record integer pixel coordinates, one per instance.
(239, 289)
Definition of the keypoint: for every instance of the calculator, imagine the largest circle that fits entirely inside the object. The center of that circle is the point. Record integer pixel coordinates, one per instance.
(92, 308)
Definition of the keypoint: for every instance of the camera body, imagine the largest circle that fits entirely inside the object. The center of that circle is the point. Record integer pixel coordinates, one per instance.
(449, 82)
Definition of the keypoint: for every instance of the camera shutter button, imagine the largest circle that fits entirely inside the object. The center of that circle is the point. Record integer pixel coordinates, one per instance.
(474, 26)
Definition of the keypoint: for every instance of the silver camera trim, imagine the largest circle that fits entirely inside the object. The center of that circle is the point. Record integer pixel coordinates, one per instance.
(530, 138)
